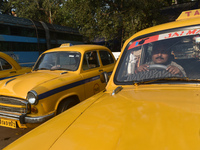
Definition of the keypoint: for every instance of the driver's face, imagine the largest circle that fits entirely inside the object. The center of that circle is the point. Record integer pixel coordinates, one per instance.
(160, 57)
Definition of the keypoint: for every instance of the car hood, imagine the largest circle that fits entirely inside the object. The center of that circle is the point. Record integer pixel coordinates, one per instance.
(20, 85)
(144, 118)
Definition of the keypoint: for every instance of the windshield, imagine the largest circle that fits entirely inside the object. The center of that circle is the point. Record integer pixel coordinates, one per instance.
(167, 55)
(59, 61)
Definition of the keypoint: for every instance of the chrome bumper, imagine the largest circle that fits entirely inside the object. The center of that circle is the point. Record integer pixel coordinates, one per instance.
(39, 119)
(23, 118)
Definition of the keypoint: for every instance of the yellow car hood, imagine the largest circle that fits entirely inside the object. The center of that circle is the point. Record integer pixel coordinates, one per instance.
(20, 85)
(139, 118)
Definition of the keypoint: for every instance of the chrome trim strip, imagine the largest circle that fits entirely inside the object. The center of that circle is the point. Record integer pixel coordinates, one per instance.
(9, 81)
(9, 116)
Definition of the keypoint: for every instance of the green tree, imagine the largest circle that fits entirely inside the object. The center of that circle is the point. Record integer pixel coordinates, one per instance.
(111, 19)
(39, 10)
(5, 7)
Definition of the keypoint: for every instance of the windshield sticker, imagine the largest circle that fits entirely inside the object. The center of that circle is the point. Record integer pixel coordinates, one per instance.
(144, 41)
(178, 34)
(163, 36)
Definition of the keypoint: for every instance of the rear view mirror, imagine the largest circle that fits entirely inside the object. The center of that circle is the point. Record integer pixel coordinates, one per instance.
(104, 77)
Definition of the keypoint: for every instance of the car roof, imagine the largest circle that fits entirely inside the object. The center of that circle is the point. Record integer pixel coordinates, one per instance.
(180, 22)
(80, 48)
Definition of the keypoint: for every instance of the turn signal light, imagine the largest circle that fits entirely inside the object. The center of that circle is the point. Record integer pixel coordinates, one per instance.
(34, 110)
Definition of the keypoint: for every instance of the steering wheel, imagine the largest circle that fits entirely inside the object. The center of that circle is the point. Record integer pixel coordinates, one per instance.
(155, 71)
(157, 66)
(49, 66)
(164, 67)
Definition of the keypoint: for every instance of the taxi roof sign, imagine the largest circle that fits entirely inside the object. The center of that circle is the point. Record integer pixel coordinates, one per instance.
(189, 14)
(66, 45)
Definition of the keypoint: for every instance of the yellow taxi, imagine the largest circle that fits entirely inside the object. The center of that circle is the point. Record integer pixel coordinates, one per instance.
(61, 78)
(152, 99)
(10, 68)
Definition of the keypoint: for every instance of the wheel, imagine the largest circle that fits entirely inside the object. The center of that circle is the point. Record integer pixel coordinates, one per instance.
(66, 104)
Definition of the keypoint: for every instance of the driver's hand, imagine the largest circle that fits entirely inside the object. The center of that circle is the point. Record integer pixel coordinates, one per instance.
(142, 68)
(173, 70)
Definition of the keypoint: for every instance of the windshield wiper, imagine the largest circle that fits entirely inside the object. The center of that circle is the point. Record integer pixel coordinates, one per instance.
(61, 69)
(164, 80)
(41, 69)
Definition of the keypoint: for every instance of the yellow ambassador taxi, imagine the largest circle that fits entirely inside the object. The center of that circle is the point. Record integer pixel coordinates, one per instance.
(61, 78)
(10, 68)
(152, 100)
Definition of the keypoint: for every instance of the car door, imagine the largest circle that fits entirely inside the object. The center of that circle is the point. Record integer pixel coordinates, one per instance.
(6, 69)
(91, 71)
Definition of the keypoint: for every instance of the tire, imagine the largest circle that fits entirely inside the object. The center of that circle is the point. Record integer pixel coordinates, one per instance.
(66, 104)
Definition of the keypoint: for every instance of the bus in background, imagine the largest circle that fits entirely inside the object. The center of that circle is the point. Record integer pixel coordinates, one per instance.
(24, 39)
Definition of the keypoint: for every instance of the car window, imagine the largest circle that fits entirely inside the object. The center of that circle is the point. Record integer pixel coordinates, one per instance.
(106, 57)
(166, 55)
(4, 65)
(90, 60)
(59, 61)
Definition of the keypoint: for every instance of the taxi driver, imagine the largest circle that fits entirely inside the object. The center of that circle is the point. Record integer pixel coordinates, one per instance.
(160, 55)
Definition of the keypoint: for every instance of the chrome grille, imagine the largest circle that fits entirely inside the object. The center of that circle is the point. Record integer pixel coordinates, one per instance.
(10, 104)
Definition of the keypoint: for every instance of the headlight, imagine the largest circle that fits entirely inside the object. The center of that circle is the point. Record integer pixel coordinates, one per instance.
(32, 97)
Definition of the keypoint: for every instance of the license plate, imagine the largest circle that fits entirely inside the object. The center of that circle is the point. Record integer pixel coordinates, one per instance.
(7, 123)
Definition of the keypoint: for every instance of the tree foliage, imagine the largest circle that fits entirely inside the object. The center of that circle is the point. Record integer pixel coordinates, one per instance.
(41, 10)
(113, 19)
(5, 7)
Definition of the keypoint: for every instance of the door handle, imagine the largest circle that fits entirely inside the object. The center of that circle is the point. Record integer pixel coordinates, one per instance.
(100, 70)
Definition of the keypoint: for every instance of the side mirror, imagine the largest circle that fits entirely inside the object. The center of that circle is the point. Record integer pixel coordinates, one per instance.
(104, 77)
